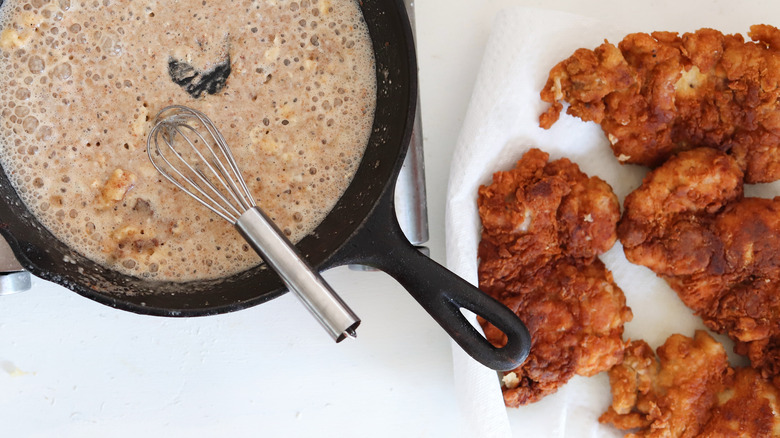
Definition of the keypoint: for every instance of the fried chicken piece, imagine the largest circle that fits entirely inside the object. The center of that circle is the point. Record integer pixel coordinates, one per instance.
(544, 224)
(689, 390)
(691, 225)
(658, 94)
(540, 210)
(661, 223)
(575, 313)
(670, 396)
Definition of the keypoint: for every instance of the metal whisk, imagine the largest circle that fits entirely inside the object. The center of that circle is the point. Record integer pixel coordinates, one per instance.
(189, 151)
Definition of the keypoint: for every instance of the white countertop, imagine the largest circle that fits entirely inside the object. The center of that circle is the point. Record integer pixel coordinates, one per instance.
(70, 367)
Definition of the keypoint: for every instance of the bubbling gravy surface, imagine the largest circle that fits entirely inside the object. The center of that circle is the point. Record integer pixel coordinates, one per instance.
(81, 80)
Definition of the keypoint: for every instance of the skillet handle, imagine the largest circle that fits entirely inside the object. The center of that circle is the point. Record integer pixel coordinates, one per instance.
(380, 243)
(443, 294)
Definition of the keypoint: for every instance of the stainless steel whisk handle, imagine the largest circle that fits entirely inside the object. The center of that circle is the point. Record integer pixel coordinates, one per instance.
(307, 284)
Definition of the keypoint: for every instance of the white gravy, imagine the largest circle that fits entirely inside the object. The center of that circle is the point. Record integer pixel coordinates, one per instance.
(80, 81)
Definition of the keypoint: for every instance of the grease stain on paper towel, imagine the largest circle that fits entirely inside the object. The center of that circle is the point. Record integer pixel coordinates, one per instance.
(13, 370)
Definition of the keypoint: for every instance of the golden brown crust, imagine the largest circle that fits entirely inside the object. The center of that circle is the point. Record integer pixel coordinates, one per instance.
(690, 224)
(689, 390)
(747, 408)
(544, 224)
(658, 94)
(670, 396)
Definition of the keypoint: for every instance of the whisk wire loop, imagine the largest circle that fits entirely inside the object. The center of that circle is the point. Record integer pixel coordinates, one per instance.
(191, 188)
(210, 173)
(220, 174)
(237, 181)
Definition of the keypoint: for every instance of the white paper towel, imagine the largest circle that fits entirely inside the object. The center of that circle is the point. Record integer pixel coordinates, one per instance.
(500, 125)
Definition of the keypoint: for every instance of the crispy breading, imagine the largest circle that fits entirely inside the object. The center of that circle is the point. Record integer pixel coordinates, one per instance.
(661, 93)
(689, 390)
(691, 225)
(670, 396)
(544, 224)
(575, 313)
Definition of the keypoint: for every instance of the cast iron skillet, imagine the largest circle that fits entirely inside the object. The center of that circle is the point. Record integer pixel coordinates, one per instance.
(361, 229)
